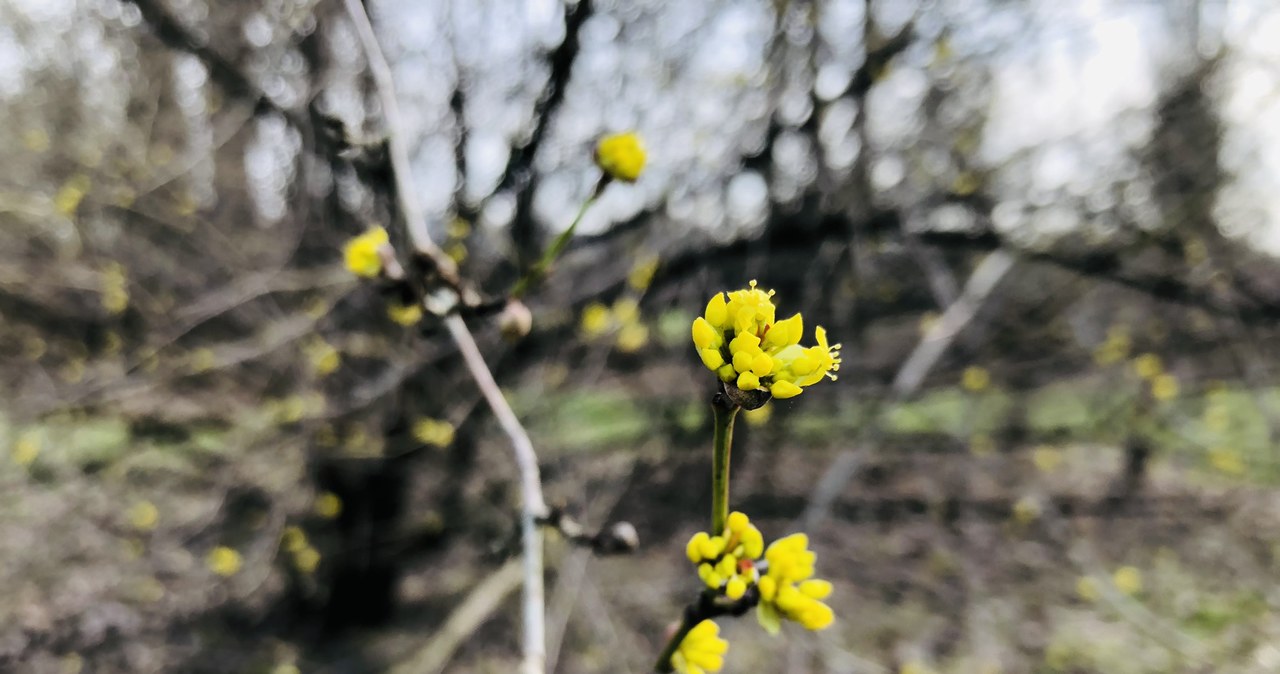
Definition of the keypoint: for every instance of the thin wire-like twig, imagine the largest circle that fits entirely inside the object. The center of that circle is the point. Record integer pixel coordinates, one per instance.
(532, 507)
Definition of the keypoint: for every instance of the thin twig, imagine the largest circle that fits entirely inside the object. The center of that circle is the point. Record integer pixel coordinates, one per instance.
(533, 507)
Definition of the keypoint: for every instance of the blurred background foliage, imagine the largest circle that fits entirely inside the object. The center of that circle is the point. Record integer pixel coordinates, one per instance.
(1045, 233)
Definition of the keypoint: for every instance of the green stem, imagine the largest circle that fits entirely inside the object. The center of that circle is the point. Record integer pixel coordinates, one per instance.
(664, 663)
(539, 270)
(725, 412)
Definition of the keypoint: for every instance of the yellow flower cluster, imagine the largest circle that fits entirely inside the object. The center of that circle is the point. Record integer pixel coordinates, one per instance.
(305, 557)
(621, 155)
(361, 253)
(739, 340)
(788, 588)
(1149, 367)
(727, 561)
(624, 319)
(702, 650)
(732, 562)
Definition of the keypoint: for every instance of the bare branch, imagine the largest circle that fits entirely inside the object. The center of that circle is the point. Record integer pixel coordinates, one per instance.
(533, 506)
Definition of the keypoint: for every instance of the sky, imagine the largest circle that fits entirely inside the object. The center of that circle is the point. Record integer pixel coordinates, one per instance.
(1071, 83)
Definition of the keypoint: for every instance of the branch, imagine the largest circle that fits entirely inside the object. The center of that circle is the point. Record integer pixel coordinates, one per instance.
(981, 283)
(533, 507)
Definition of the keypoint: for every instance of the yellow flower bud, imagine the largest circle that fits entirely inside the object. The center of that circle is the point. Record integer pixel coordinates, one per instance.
(694, 549)
(361, 253)
(735, 588)
(621, 155)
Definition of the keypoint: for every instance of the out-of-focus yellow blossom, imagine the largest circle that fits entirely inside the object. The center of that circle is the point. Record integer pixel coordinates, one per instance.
(975, 379)
(26, 449)
(1115, 348)
(702, 650)
(307, 560)
(323, 357)
(739, 339)
(35, 140)
(788, 588)
(1148, 366)
(434, 432)
(759, 417)
(1128, 580)
(1087, 589)
(69, 196)
(1026, 510)
(113, 284)
(404, 314)
(72, 663)
(361, 253)
(459, 228)
(328, 505)
(293, 538)
(621, 155)
(626, 310)
(642, 273)
(316, 307)
(982, 444)
(286, 668)
(73, 371)
(1046, 458)
(287, 410)
(224, 561)
(143, 516)
(595, 320)
(202, 360)
(916, 667)
(457, 251)
(632, 337)
(34, 348)
(1164, 387)
(1227, 460)
(727, 561)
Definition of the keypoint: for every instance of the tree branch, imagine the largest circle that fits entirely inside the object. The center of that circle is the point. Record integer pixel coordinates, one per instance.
(533, 506)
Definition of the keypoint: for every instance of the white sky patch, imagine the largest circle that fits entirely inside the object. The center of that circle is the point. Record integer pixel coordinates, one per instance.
(1248, 206)
(1074, 83)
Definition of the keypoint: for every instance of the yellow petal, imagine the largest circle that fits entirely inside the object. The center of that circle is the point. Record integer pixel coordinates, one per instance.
(785, 332)
(761, 365)
(817, 589)
(717, 312)
(704, 335)
(712, 358)
(748, 381)
(784, 389)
